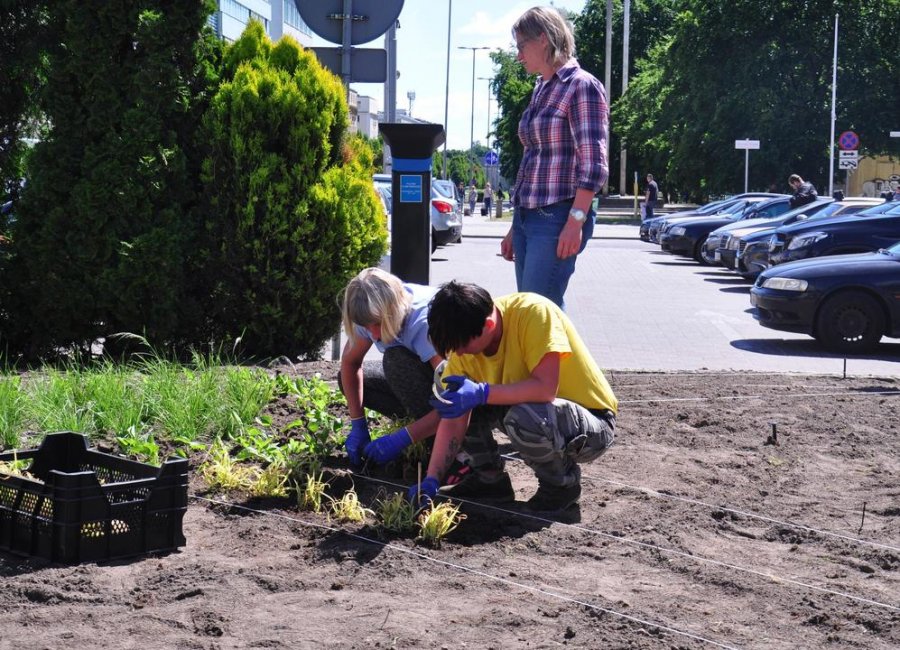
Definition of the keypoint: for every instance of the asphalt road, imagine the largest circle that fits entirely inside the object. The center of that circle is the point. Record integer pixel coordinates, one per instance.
(639, 308)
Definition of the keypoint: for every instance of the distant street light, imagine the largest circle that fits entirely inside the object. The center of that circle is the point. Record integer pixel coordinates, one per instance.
(487, 138)
(447, 89)
(472, 121)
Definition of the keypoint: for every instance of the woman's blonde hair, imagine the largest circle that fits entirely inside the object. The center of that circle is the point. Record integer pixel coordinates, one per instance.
(375, 297)
(548, 21)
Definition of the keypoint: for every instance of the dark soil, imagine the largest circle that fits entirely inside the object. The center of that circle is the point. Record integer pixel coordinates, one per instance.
(699, 527)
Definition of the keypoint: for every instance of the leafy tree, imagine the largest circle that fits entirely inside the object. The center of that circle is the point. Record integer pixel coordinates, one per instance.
(651, 21)
(762, 70)
(292, 213)
(23, 32)
(512, 86)
(101, 240)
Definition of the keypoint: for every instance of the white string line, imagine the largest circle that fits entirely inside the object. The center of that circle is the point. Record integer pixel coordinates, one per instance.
(732, 373)
(771, 397)
(514, 457)
(662, 549)
(465, 569)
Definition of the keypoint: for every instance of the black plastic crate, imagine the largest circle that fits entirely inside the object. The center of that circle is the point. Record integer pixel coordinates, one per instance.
(87, 505)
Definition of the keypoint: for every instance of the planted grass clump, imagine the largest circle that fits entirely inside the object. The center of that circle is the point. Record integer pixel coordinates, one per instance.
(437, 521)
(311, 493)
(396, 514)
(349, 509)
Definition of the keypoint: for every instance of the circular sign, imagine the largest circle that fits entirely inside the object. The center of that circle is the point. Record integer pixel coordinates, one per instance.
(491, 158)
(848, 140)
(370, 18)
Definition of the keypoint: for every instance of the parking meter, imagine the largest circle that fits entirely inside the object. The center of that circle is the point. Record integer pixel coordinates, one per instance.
(411, 148)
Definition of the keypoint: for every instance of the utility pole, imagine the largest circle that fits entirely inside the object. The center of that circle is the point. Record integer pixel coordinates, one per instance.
(447, 87)
(472, 121)
(626, 37)
(609, 30)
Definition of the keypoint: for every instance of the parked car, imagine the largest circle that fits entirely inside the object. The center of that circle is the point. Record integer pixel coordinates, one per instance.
(728, 205)
(733, 240)
(752, 252)
(690, 237)
(709, 208)
(847, 233)
(847, 302)
(446, 222)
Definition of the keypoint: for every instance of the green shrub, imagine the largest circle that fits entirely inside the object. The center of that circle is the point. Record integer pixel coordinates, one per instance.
(291, 211)
(102, 237)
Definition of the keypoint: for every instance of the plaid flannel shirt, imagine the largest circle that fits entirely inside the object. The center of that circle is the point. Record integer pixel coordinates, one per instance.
(565, 132)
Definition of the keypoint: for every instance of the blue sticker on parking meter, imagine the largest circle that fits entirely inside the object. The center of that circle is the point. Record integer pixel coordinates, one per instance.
(410, 188)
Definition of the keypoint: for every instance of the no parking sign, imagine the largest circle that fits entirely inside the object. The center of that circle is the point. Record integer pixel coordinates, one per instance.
(848, 140)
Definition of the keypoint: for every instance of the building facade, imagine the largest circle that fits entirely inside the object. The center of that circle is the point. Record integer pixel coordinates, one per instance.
(279, 17)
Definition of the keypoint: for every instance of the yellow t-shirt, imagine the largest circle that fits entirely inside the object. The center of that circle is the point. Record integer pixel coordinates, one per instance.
(532, 327)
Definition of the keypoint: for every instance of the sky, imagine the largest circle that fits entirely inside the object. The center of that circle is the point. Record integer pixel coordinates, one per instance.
(422, 60)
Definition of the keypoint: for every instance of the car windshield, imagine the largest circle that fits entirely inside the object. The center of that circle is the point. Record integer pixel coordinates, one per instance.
(810, 210)
(895, 249)
(445, 189)
(710, 208)
(881, 208)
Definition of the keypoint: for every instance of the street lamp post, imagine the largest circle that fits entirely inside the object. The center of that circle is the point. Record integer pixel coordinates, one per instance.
(487, 137)
(447, 87)
(472, 121)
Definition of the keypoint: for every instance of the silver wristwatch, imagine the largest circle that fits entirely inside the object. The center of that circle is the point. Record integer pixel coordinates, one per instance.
(577, 215)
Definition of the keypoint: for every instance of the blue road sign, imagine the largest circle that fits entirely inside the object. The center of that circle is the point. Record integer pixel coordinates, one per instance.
(491, 158)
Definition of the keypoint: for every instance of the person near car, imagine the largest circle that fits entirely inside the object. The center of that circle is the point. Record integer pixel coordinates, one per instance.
(520, 357)
(488, 197)
(650, 196)
(564, 133)
(380, 309)
(473, 195)
(897, 192)
(804, 192)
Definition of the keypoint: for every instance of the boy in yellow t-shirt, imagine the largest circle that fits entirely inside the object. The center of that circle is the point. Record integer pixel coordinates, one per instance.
(520, 352)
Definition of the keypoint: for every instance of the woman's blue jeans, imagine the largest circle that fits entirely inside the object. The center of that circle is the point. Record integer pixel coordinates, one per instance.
(535, 235)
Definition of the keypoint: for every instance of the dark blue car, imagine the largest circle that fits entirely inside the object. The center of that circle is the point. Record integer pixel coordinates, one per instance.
(838, 235)
(847, 302)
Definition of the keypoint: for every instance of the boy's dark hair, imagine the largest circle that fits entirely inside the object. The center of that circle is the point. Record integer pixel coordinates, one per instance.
(457, 314)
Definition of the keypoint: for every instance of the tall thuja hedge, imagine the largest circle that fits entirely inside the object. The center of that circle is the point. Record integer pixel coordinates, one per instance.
(292, 213)
(103, 234)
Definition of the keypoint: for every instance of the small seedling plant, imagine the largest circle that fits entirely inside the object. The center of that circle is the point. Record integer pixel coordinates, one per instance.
(311, 493)
(437, 521)
(396, 514)
(349, 509)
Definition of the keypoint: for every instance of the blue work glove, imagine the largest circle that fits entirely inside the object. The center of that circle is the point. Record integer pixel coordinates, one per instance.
(420, 495)
(389, 447)
(357, 439)
(463, 395)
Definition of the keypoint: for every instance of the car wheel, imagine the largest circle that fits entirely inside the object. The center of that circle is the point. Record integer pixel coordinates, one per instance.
(701, 255)
(433, 240)
(850, 322)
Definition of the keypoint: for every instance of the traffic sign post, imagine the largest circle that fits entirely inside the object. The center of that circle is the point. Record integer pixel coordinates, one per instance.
(746, 145)
(348, 23)
(848, 140)
(491, 159)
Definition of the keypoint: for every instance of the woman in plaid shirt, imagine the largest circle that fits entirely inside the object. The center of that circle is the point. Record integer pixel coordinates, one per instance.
(564, 132)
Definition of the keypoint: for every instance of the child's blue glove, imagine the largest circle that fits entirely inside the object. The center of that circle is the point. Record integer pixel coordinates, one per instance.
(389, 447)
(420, 495)
(462, 396)
(357, 439)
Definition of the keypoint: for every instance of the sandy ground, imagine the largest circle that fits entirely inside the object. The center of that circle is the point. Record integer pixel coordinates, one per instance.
(693, 531)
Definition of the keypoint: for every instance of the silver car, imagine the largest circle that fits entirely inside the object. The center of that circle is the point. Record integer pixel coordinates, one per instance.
(446, 219)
